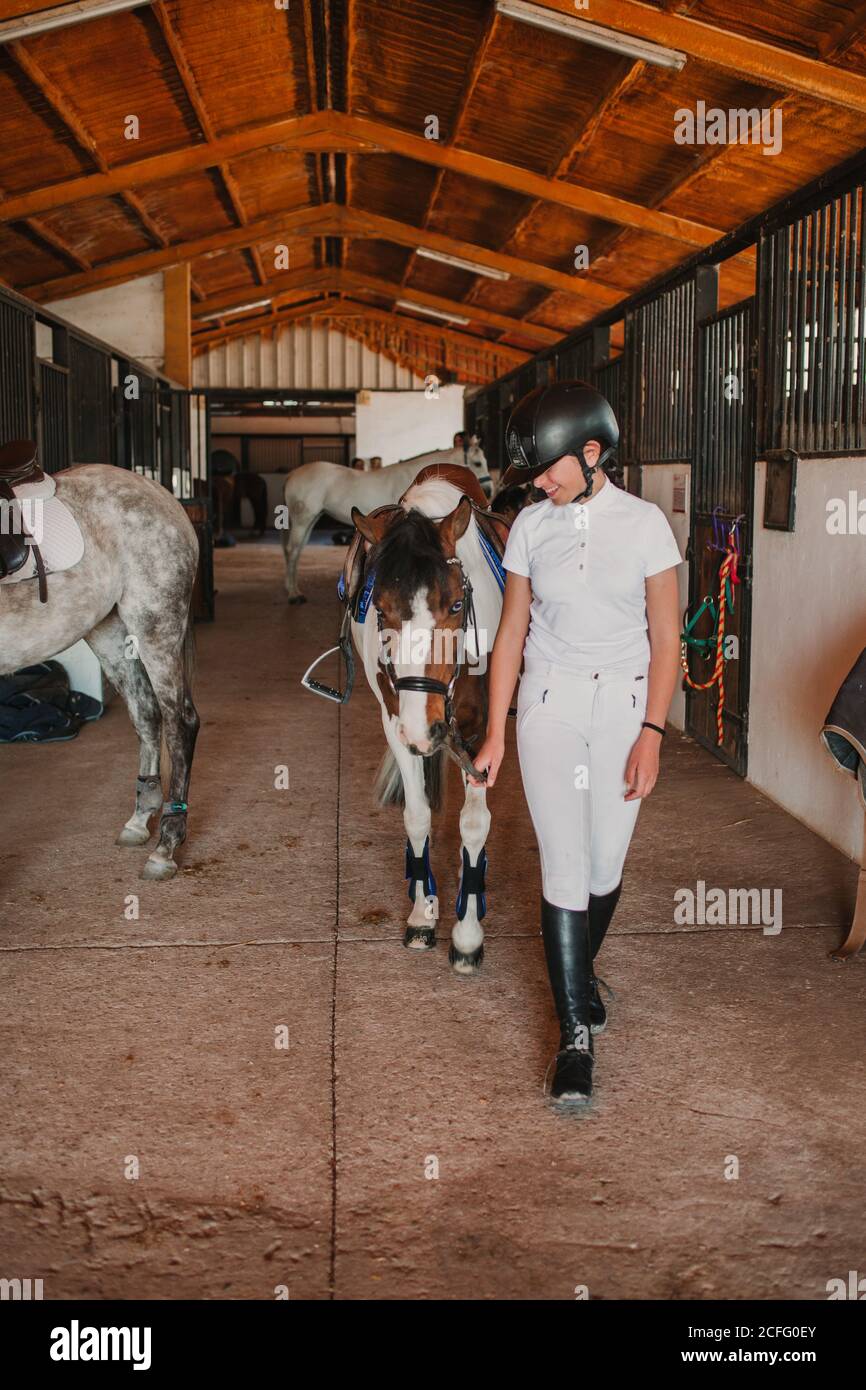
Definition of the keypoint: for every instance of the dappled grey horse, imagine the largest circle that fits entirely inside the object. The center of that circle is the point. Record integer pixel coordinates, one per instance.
(129, 598)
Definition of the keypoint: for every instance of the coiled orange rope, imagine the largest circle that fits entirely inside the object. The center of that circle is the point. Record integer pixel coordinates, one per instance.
(728, 568)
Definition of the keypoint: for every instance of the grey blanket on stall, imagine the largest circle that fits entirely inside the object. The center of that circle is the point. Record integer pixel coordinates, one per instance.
(844, 731)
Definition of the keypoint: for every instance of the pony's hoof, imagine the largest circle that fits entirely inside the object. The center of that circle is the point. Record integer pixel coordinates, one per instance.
(159, 870)
(298, 598)
(128, 836)
(465, 962)
(419, 938)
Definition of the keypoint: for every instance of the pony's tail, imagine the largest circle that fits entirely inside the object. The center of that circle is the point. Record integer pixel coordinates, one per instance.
(388, 786)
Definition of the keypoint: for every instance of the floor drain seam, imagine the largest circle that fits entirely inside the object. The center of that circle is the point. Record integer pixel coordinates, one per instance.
(370, 940)
(332, 1270)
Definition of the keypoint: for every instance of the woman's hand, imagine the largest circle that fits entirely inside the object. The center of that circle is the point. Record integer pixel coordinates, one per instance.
(489, 756)
(642, 768)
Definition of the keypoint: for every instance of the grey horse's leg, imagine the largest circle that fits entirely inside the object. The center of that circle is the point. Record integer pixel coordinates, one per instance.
(180, 725)
(294, 540)
(111, 644)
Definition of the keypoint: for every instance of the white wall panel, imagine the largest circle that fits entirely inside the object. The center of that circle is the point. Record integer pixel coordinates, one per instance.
(305, 356)
(808, 628)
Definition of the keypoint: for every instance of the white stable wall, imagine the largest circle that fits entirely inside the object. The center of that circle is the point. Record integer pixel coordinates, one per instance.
(808, 628)
(398, 425)
(308, 356)
(658, 487)
(131, 317)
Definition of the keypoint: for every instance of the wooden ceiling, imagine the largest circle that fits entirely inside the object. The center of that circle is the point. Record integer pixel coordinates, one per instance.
(305, 126)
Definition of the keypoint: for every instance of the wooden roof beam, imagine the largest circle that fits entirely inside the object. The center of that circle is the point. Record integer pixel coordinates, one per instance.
(754, 59)
(536, 332)
(298, 133)
(336, 131)
(324, 220)
(194, 97)
(467, 94)
(579, 197)
(333, 279)
(360, 223)
(843, 34)
(69, 117)
(282, 287)
(300, 223)
(347, 308)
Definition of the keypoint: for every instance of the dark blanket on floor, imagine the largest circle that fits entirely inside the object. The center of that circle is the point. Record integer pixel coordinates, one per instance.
(844, 731)
(37, 706)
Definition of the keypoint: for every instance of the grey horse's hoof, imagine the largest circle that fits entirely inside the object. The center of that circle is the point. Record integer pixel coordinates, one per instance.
(298, 598)
(129, 836)
(158, 870)
(465, 962)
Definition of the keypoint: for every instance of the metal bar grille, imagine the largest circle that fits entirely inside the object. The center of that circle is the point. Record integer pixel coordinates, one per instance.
(16, 372)
(90, 402)
(54, 418)
(610, 381)
(659, 349)
(723, 447)
(812, 273)
(140, 410)
(575, 362)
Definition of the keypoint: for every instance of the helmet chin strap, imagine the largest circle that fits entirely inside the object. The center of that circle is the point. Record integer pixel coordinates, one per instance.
(589, 473)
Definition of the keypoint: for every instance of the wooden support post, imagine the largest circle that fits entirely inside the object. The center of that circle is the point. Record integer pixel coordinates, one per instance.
(600, 346)
(857, 931)
(706, 292)
(178, 324)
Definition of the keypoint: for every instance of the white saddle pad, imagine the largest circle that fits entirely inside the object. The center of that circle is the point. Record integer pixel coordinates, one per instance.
(51, 524)
(29, 491)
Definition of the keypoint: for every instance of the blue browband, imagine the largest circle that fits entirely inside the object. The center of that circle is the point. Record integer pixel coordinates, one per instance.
(490, 556)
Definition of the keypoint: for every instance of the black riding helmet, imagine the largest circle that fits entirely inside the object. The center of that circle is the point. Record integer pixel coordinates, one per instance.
(555, 420)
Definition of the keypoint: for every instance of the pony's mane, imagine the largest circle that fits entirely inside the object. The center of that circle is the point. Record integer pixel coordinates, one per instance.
(409, 557)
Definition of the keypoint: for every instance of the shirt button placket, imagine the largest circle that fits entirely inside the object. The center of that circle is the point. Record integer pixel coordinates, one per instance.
(581, 524)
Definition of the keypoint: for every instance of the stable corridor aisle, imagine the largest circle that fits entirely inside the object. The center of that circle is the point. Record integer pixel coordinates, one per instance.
(248, 1085)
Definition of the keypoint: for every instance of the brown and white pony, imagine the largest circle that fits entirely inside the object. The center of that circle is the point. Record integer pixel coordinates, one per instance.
(425, 642)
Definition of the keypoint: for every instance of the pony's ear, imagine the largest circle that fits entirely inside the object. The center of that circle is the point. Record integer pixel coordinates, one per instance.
(372, 528)
(454, 524)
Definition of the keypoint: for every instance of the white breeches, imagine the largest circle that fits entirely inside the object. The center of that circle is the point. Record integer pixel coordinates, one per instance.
(574, 736)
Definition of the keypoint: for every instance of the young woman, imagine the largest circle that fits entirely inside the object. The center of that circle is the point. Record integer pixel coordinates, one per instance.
(591, 605)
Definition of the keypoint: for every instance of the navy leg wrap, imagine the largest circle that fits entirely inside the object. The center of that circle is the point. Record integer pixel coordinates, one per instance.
(418, 870)
(472, 881)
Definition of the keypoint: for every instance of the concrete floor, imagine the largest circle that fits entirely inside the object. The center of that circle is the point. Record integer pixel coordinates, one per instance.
(305, 1167)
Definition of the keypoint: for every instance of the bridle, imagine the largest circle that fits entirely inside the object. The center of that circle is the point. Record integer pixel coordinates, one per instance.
(455, 744)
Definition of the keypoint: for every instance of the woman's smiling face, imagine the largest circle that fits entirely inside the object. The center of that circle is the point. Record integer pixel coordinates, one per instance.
(563, 480)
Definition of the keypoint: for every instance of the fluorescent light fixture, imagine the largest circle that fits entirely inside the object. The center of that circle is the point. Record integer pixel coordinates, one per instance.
(490, 271)
(593, 34)
(236, 309)
(434, 313)
(62, 16)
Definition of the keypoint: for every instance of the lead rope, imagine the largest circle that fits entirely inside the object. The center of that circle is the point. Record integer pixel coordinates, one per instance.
(728, 569)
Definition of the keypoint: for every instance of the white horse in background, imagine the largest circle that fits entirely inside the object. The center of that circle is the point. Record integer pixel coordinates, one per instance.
(320, 487)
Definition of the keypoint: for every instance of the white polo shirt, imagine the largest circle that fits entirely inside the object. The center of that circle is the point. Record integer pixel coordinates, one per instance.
(587, 564)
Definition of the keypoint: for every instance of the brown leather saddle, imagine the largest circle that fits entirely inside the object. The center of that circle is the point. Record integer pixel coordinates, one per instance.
(18, 465)
(495, 528)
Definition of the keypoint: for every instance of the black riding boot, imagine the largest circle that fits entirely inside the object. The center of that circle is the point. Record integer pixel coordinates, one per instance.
(569, 966)
(601, 910)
